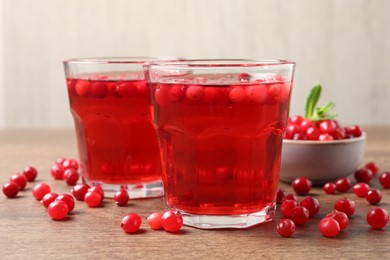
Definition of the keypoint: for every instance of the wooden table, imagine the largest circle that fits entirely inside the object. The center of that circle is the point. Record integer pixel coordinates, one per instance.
(26, 231)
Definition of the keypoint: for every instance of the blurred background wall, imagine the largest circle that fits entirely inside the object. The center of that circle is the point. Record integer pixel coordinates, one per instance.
(342, 44)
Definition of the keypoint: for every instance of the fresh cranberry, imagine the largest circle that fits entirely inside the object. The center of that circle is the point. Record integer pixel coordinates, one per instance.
(299, 136)
(343, 185)
(99, 189)
(355, 131)
(68, 199)
(384, 180)
(377, 218)
(10, 189)
(131, 223)
(301, 185)
(287, 207)
(57, 171)
(93, 199)
(30, 173)
(345, 205)
(154, 221)
(300, 215)
(121, 197)
(290, 196)
(172, 221)
(71, 176)
(327, 126)
(325, 137)
(360, 189)
(48, 198)
(70, 163)
(161, 95)
(340, 217)
(20, 180)
(291, 130)
(60, 160)
(57, 210)
(177, 93)
(82, 88)
(306, 124)
(142, 88)
(195, 93)
(296, 120)
(363, 175)
(329, 227)
(243, 77)
(311, 204)
(373, 167)
(313, 133)
(256, 94)
(237, 95)
(329, 188)
(125, 89)
(338, 133)
(79, 191)
(286, 227)
(40, 190)
(280, 195)
(99, 90)
(374, 196)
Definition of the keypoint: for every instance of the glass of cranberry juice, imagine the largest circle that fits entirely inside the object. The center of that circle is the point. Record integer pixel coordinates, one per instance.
(220, 125)
(117, 143)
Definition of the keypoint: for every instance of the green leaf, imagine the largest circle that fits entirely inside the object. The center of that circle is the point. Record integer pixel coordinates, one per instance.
(312, 100)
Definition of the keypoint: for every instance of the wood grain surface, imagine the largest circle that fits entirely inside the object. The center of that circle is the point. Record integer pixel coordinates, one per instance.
(27, 232)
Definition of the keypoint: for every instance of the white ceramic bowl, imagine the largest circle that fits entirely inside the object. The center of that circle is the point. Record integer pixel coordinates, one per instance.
(321, 161)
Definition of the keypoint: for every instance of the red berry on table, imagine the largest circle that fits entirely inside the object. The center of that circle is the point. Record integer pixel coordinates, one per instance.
(70, 163)
(121, 197)
(313, 133)
(280, 195)
(301, 185)
(329, 188)
(363, 175)
(68, 199)
(93, 199)
(290, 196)
(296, 120)
(57, 210)
(286, 227)
(287, 207)
(300, 215)
(311, 204)
(154, 220)
(10, 190)
(30, 173)
(71, 176)
(345, 205)
(384, 180)
(40, 190)
(172, 221)
(361, 189)
(79, 191)
(373, 167)
(20, 180)
(131, 223)
(57, 171)
(60, 160)
(374, 196)
(48, 198)
(340, 217)
(343, 185)
(327, 126)
(329, 227)
(377, 218)
(355, 131)
(99, 189)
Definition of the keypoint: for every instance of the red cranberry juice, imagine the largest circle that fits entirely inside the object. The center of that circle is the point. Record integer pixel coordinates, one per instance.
(221, 144)
(116, 140)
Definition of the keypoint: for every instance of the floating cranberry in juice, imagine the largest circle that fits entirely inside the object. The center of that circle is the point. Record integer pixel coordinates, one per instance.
(117, 144)
(220, 144)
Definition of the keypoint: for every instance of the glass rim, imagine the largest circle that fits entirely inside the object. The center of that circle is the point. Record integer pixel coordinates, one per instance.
(212, 63)
(119, 60)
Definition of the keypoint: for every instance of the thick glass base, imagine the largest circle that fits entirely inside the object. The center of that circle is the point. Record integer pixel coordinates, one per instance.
(139, 190)
(229, 221)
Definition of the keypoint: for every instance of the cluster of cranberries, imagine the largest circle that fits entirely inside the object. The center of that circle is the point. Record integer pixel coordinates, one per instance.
(66, 169)
(298, 213)
(299, 128)
(170, 221)
(18, 182)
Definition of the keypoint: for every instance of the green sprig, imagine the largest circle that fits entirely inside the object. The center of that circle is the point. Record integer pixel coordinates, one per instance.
(318, 113)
